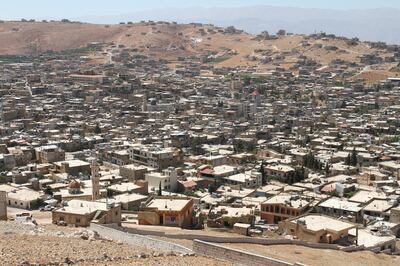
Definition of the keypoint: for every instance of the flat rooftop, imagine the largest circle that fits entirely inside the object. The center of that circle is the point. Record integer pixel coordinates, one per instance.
(340, 204)
(169, 204)
(73, 163)
(318, 222)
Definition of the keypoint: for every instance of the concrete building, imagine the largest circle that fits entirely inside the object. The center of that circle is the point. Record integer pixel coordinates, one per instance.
(154, 156)
(87, 79)
(284, 206)
(280, 171)
(49, 154)
(249, 179)
(73, 167)
(82, 213)
(175, 212)
(168, 180)
(318, 229)
(24, 198)
(395, 215)
(391, 167)
(336, 207)
(133, 172)
(129, 201)
(140, 187)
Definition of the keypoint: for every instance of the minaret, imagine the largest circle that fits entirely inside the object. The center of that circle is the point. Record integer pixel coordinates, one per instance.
(95, 180)
(3, 205)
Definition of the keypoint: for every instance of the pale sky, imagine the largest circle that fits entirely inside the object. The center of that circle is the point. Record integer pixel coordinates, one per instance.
(55, 9)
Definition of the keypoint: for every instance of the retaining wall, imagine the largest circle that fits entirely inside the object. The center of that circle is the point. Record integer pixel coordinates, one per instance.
(132, 239)
(238, 239)
(237, 256)
(233, 239)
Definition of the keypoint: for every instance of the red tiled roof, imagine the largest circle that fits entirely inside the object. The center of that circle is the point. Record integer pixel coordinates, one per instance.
(189, 184)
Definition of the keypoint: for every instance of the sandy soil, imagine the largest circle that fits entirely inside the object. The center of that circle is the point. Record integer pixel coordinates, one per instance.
(319, 257)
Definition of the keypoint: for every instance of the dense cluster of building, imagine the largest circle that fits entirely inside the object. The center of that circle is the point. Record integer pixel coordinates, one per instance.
(193, 146)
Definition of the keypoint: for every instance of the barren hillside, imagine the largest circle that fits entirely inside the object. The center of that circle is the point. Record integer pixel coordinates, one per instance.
(172, 41)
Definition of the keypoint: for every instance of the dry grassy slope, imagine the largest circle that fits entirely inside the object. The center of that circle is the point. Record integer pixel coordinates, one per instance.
(172, 41)
(52, 36)
(60, 36)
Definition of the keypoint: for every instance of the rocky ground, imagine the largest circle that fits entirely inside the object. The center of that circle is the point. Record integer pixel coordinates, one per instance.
(22, 244)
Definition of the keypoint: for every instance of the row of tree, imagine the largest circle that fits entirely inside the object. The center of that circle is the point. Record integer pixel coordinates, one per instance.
(310, 161)
(298, 175)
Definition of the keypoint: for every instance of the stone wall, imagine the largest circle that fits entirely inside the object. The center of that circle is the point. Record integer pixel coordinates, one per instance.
(128, 238)
(237, 256)
(238, 239)
(233, 239)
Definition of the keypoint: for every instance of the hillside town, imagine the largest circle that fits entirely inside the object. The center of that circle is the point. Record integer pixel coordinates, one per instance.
(304, 154)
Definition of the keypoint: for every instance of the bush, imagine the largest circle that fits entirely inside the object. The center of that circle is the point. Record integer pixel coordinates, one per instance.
(3, 179)
(48, 191)
(37, 203)
(189, 193)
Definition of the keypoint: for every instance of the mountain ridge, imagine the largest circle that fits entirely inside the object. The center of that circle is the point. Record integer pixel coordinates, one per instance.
(273, 18)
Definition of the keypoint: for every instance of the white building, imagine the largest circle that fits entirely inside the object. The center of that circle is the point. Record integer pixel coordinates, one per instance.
(249, 179)
(168, 179)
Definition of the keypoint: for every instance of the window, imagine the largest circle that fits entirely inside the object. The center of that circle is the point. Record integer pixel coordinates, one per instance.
(78, 220)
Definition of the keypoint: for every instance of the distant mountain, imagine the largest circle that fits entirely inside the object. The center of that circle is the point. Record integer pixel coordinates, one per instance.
(370, 24)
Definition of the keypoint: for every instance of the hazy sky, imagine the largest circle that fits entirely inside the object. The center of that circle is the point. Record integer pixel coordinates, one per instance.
(16, 9)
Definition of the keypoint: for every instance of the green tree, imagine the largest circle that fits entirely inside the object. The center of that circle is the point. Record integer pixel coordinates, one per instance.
(353, 158)
(3, 179)
(195, 146)
(37, 203)
(97, 129)
(263, 173)
(238, 146)
(310, 161)
(348, 160)
(159, 192)
(327, 169)
(49, 191)
(246, 80)
(213, 187)
(189, 193)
